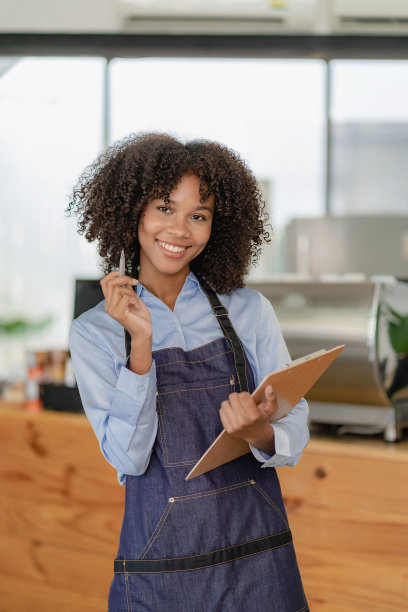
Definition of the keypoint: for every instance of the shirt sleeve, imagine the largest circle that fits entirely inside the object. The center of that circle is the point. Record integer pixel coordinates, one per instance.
(291, 432)
(120, 405)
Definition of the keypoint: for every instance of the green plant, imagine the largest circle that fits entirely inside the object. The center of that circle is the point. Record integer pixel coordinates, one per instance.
(397, 330)
(21, 326)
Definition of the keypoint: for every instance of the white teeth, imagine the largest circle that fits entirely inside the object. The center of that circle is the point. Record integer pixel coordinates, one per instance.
(170, 247)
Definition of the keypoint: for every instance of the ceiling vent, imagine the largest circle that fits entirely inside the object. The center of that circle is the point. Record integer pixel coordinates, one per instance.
(370, 16)
(217, 16)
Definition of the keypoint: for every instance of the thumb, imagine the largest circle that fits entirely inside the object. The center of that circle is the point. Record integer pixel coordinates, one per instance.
(269, 405)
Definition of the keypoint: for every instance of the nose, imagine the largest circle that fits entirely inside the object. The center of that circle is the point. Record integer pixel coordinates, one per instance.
(178, 226)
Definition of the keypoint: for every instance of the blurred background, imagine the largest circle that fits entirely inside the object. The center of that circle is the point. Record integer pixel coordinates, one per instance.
(313, 94)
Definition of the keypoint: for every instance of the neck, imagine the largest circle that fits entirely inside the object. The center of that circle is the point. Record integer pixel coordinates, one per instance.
(165, 287)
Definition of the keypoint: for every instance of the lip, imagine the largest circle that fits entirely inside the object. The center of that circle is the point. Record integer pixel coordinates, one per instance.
(169, 253)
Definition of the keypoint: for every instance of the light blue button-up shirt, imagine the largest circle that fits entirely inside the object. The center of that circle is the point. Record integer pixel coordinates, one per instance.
(121, 405)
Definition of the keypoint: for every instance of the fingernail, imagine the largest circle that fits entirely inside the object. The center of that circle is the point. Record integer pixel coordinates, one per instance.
(134, 281)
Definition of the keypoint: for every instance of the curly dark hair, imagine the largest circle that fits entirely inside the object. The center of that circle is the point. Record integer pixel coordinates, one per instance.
(112, 193)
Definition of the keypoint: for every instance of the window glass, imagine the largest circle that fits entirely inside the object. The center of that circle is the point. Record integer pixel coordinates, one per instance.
(51, 128)
(369, 137)
(270, 111)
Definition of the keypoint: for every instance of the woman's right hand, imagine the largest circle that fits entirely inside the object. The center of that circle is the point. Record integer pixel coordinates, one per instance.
(125, 307)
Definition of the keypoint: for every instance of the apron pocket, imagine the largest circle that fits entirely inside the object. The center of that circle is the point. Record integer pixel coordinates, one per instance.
(217, 526)
(189, 419)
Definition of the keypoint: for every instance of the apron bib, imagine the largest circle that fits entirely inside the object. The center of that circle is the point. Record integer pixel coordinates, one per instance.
(220, 542)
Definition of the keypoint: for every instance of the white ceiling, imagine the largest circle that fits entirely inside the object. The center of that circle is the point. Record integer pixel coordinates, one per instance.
(205, 16)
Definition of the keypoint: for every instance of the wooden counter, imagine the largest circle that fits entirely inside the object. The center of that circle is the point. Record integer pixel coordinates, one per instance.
(61, 512)
(348, 508)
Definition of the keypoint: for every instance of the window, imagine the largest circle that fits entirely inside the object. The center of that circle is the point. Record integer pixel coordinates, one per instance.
(51, 126)
(369, 136)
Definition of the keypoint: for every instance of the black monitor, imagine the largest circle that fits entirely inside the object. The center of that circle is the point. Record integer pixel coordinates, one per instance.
(88, 293)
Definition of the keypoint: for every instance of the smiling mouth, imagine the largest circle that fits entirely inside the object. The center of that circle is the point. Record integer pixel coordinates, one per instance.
(171, 248)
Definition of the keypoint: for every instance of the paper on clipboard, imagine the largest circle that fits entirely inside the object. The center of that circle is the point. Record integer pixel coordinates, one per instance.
(290, 384)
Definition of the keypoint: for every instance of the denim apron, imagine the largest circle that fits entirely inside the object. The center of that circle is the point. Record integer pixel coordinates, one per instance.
(219, 542)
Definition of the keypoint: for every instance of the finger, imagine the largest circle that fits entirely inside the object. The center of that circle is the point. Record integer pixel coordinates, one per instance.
(112, 293)
(246, 411)
(268, 390)
(228, 416)
(119, 292)
(105, 280)
(122, 310)
(124, 298)
(236, 407)
(269, 394)
(270, 403)
(109, 284)
(114, 275)
(248, 406)
(120, 280)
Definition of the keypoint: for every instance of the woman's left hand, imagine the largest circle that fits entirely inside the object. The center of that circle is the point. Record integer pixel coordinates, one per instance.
(243, 418)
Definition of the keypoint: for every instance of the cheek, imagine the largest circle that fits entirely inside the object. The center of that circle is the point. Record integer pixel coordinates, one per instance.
(148, 225)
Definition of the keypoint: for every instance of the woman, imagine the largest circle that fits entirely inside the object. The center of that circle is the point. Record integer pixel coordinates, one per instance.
(190, 219)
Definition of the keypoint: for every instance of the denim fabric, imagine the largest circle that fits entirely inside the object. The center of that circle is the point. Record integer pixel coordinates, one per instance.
(121, 405)
(228, 512)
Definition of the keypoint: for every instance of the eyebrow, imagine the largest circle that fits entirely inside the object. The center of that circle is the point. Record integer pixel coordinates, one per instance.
(202, 207)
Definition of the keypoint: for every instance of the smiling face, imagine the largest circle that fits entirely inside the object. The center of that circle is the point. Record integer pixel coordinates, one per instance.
(173, 232)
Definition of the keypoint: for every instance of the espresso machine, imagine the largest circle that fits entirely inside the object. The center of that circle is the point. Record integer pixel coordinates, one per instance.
(365, 390)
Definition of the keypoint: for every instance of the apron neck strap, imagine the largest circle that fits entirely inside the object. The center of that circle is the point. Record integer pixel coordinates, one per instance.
(230, 334)
(227, 329)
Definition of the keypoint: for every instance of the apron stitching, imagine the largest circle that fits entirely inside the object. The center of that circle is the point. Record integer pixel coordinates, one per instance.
(214, 564)
(231, 488)
(160, 365)
(162, 433)
(158, 529)
(162, 428)
(224, 548)
(128, 601)
(177, 348)
(166, 511)
(271, 502)
(181, 463)
(237, 485)
(197, 389)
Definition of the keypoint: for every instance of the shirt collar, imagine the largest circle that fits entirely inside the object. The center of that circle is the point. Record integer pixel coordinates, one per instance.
(190, 282)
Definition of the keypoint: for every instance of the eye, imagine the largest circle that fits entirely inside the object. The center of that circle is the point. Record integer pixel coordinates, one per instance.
(165, 209)
(199, 218)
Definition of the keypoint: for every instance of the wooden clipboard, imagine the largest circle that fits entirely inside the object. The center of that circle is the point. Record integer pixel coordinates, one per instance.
(290, 384)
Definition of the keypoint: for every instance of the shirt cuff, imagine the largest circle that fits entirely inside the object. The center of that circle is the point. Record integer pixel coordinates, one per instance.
(140, 390)
(133, 384)
(282, 456)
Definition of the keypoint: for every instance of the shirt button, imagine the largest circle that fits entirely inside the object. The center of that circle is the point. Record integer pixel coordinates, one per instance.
(175, 325)
(140, 388)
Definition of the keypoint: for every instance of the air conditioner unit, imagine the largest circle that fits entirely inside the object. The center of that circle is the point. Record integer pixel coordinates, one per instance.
(365, 16)
(217, 16)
